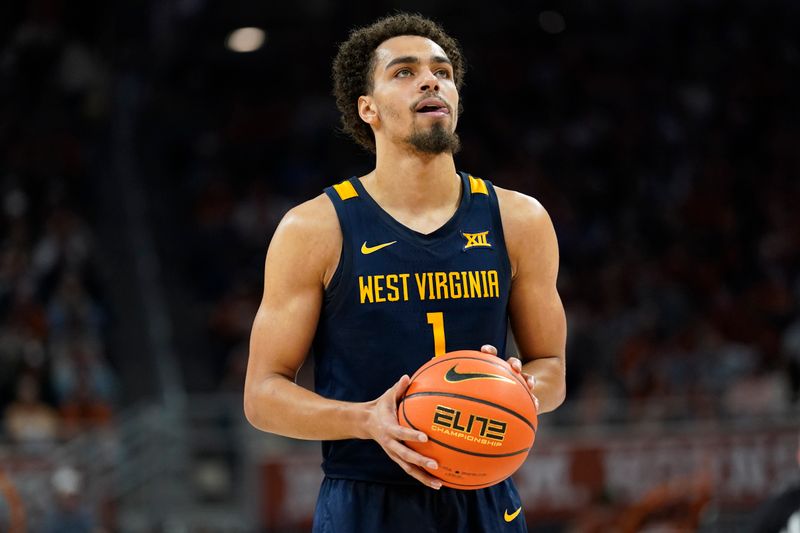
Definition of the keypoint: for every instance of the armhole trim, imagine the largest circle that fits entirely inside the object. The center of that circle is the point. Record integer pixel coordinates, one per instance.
(343, 269)
(497, 222)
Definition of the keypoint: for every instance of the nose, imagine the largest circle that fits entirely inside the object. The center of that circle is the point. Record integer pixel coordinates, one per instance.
(428, 81)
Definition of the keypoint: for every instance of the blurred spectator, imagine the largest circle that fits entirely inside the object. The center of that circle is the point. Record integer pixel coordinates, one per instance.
(83, 410)
(28, 420)
(20, 347)
(80, 358)
(65, 244)
(672, 507)
(70, 514)
(761, 393)
(71, 308)
(12, 506)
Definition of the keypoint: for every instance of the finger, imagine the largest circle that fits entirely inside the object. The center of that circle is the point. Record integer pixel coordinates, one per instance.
(515, 363)
(536, 403)
(403, 433)
(410, 456)
(417, 473)
(531, 379)
(488, 348)
(424, 478)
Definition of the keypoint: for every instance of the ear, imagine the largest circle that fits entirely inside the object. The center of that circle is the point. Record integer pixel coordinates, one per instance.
(367, 110)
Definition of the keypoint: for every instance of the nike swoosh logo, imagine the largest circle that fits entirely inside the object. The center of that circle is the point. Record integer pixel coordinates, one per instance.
(512, 516)
(366, 250)
(454, 376)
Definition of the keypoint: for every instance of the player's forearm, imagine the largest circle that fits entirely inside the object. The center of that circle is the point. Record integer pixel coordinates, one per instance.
(551, 387)
(277, 405)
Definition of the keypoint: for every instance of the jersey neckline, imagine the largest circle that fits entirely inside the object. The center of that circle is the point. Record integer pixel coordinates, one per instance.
(423, 238)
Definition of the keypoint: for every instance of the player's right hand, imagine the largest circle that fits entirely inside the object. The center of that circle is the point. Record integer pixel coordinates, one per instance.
(382, 427)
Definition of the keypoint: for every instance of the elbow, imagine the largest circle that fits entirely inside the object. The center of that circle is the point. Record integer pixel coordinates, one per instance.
(551, 404)
(264, 403)
(561, 393)
(250, 410)
(255, 408)
(554, 395)
(561, 397)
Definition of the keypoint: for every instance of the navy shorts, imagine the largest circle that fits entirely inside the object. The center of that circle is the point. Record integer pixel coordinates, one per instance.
(348, 506)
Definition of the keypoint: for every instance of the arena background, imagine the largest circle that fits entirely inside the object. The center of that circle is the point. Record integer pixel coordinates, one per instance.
(144, 165)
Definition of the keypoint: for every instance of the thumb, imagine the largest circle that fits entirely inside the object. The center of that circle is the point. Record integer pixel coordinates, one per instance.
(400, 387)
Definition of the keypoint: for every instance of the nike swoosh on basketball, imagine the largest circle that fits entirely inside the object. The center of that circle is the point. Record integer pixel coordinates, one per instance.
(512, 516)
(366, 250)
(454, 376)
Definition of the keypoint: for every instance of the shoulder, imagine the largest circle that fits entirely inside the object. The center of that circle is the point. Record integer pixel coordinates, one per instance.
(527, 228)
(309, 233)
(523, 216)
(311, 217)
(520, 208)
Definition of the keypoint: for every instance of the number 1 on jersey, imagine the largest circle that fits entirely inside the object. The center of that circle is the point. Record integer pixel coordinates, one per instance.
(437, 321)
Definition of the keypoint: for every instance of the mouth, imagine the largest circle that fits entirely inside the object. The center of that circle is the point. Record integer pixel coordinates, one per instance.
(432, 107)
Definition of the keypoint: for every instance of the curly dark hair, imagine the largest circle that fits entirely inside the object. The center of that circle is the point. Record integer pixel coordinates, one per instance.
(355, 61)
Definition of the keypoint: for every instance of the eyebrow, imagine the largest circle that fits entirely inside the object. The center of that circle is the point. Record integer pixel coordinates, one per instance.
(415, 60)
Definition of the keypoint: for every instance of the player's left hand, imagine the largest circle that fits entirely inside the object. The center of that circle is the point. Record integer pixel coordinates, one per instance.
(516, 366)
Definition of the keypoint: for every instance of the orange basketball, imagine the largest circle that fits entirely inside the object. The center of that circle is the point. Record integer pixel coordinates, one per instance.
(478, 414)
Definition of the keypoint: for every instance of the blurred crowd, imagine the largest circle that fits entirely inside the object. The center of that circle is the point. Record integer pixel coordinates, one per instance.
(663, 143)
(55, 375)
(56, 378)
(662, 139)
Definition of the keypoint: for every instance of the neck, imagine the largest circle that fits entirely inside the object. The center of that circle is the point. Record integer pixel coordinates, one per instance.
(412, 180)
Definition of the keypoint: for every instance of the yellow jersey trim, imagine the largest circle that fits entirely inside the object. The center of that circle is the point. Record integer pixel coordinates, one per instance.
(346, 190)
(477, 186)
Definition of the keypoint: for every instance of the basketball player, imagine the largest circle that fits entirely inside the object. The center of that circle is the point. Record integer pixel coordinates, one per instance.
(385, 270)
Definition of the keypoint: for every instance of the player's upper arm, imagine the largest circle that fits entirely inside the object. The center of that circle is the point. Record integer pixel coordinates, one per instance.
(302, 256)
(537, 314)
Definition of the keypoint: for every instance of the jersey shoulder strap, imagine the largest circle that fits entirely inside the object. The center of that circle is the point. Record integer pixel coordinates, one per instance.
(348, 204)
(484, 196)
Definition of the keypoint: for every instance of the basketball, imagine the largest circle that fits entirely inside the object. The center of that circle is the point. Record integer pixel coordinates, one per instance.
(478, 414)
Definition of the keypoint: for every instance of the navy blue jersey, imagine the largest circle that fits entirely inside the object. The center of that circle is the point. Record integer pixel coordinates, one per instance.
(400, 297)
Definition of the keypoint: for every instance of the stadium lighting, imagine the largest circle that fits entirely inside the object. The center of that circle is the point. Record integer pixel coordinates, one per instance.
(245, 39)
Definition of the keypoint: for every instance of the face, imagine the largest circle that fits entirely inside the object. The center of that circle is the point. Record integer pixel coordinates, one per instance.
(414, 100)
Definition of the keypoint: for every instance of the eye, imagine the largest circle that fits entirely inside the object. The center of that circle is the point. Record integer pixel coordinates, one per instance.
(443, 73)
(403, 73)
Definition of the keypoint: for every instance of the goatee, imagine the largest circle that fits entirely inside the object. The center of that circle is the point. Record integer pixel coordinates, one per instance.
(436, 140)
